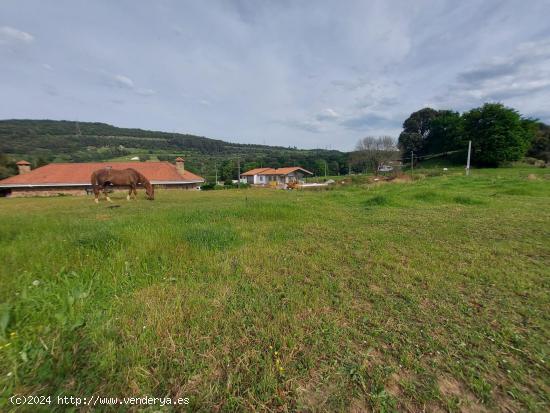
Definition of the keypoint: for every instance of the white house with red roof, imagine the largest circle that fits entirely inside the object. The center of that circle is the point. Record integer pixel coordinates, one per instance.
(74, 178)
(276, 176)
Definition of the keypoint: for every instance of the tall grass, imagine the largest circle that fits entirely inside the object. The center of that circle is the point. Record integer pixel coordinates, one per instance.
(430, 294)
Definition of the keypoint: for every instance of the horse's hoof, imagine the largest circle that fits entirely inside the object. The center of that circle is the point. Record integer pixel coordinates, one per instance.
(96, 201)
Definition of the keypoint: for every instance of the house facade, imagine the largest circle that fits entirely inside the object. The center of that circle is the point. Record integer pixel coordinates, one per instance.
(74, 178)
(276, 176)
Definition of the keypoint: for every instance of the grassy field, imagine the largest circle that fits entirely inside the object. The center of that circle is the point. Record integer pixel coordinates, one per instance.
(427, 295)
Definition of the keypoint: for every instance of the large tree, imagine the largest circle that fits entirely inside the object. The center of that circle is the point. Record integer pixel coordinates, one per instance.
(446, 133)
(540, 147)
(498, 134)
(7, 166)
(416, 129)
(371, 151)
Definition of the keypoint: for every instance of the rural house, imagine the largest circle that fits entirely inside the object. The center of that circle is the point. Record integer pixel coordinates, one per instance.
(275, 176)
(74, 178)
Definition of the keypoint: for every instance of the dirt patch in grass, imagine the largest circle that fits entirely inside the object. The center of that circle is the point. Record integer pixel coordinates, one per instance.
(400, 178)
(359, 406)
(313, 395)
(451, 388)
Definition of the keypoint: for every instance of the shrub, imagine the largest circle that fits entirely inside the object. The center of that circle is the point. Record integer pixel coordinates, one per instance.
(208, 186)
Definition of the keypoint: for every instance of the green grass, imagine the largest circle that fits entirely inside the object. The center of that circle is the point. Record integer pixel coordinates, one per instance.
(424, 295)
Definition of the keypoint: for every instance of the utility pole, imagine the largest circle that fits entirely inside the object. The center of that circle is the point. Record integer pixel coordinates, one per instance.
(325, 169)
(349, 168)
(468, 161)
(216, 168)
(412, 164)
(238, 172)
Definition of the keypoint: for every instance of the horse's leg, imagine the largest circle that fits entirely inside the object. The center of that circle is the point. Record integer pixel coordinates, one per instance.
(129, 194)
(135, 193)
(96, 194)
(105, 192)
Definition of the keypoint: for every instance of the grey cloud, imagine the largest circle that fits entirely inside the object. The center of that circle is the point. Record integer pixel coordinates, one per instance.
(305, 125)
(489, 71)
(123, 81)
(327, 115)
(51, 90)
(9, 34)
(145, 92)
(304, 76)
(369, 121)
(525, 71)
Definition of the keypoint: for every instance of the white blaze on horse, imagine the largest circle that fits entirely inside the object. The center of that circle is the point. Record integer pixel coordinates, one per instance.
(129, 178)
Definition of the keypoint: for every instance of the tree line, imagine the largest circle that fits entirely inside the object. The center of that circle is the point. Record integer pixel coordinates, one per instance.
(499, 135)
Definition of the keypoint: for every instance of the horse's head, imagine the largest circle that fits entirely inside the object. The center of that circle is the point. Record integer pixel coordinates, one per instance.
(150, 191)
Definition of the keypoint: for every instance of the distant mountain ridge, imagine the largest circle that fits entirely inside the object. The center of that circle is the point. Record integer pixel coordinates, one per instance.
(44, 141)
(21, 131)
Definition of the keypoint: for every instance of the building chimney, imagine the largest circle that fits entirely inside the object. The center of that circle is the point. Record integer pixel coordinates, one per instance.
(180, 165)
(24, 167)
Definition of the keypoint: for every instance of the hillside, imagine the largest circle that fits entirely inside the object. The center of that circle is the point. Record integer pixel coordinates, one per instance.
(41, 141)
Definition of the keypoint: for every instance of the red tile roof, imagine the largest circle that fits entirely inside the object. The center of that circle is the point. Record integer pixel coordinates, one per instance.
(275, 171)
(255, 171)
(23, 163)
(79, 173)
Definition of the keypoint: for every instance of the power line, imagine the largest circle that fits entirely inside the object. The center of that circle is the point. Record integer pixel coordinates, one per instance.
(426, 157)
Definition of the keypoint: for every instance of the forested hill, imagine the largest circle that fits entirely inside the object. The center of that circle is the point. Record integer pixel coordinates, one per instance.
(44, 141)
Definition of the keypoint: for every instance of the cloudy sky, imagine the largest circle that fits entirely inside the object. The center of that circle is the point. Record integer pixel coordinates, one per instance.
(312, 74)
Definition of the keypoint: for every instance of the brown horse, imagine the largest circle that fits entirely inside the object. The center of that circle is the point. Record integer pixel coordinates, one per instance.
(102, 178)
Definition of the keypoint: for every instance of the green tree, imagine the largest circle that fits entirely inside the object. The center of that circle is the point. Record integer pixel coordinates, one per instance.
(40, 161)
(319, 167)
(228, 170)
(446, 133)
(7, 166)
(498, 134)
(333, 168)
(540, 147)
(247, 166)
(416, 129)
